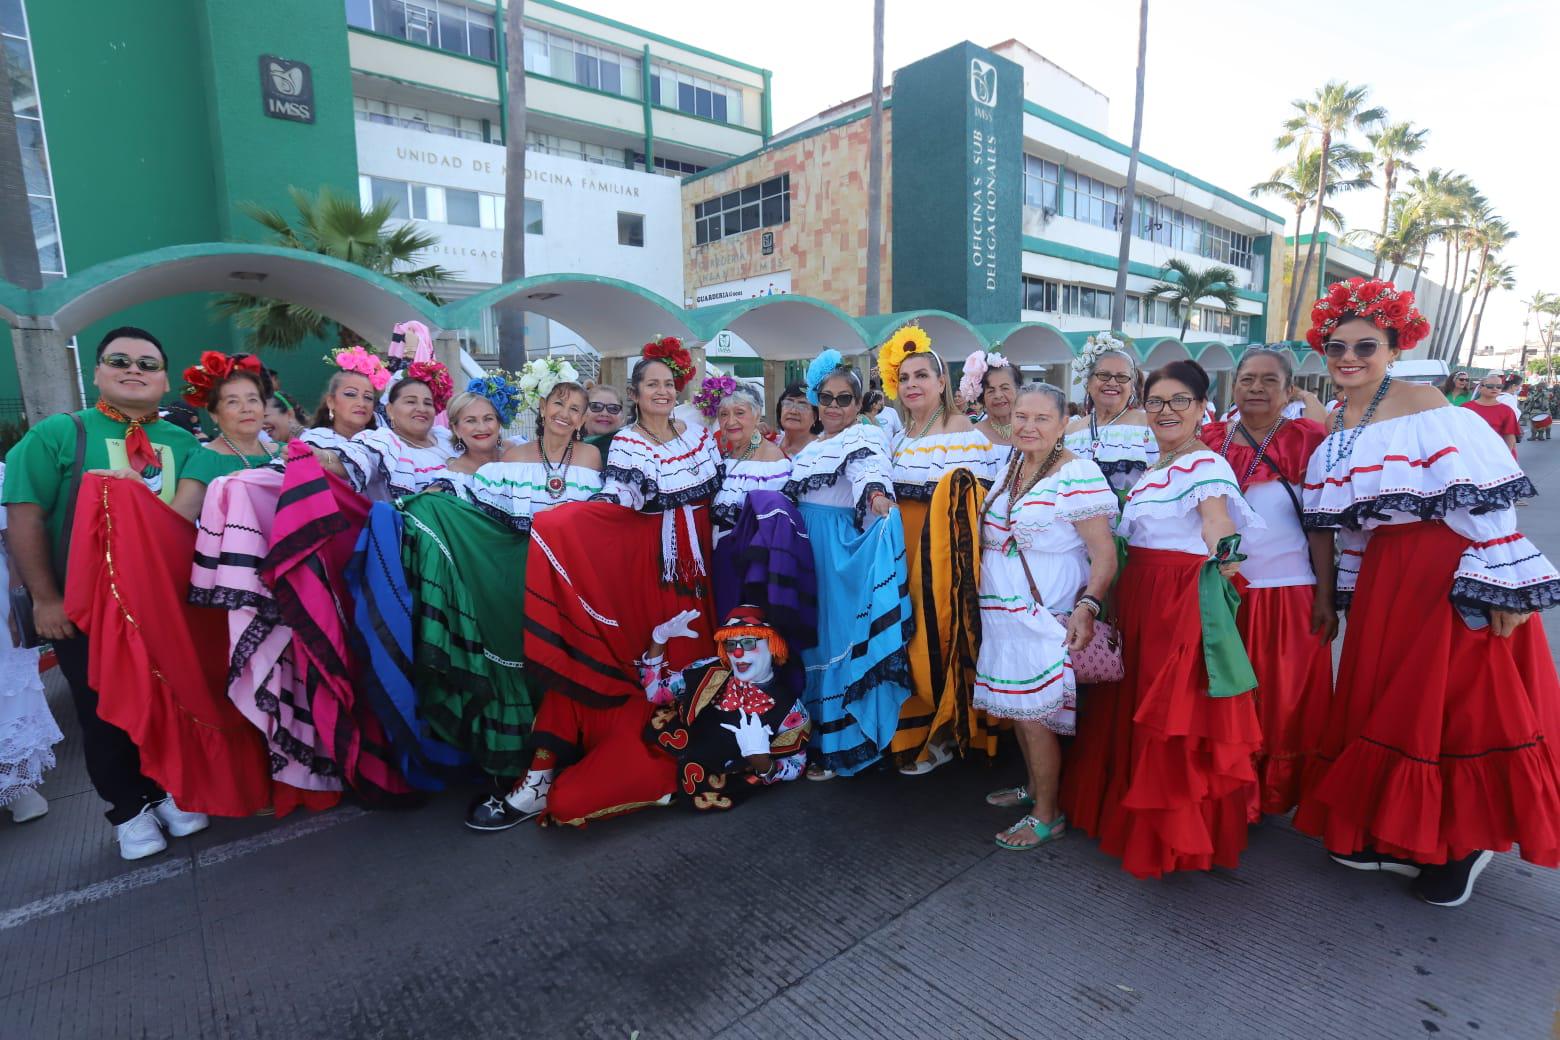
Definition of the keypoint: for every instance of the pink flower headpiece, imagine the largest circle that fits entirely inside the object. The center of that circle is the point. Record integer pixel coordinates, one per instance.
(975, 368)
(364, 362)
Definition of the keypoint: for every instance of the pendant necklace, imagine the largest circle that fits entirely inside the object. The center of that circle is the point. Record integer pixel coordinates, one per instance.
(557, 479)
(1095, 427)
(1261, 448)
(1346, 448)
(753, 444)
(1177, 451)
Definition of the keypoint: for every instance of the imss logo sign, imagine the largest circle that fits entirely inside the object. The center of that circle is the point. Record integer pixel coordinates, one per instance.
(983, 82)
(286, 89)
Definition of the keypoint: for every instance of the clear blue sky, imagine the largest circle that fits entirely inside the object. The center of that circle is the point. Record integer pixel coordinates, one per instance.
(1482, 77)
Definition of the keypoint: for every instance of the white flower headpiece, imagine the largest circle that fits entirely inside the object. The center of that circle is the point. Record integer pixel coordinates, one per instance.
(539, 377)
(1093, 347)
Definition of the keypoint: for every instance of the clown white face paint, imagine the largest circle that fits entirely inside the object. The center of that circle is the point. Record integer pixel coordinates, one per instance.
(756, 665)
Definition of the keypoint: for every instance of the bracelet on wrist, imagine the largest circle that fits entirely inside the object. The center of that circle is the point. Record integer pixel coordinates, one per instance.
(1094, 605)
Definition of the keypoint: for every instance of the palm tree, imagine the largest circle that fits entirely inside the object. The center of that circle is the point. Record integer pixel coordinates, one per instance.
(1325, 119)
(1392, 144)
(875, 168)
(1298, 183)
(1496, 276)
(1548, 303)
(1191, 285)
(511, 316)
(1433, 203)
(1118, 302)
(1489, 236)
(1403, 237)
(334, 225)
(1468, 207)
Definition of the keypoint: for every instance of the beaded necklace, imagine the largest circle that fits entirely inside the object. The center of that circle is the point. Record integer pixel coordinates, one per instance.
(241, 456)
(1261, 448)
(1176, 452)
(1346, 451)
(936, 416)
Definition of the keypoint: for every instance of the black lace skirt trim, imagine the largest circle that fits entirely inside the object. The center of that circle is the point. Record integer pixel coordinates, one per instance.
(235, 599)
(656, 500)
(1470, 592)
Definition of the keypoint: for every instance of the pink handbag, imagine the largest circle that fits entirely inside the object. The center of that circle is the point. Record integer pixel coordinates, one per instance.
(1100, 661)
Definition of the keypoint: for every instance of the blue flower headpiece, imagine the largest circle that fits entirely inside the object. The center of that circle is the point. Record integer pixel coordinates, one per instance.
(503, 395)
(822, 367)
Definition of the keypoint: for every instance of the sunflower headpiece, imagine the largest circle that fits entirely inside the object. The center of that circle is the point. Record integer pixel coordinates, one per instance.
(901, 346)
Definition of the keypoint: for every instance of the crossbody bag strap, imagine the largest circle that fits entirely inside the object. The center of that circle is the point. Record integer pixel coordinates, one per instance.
(73, 490)
(1294, 496)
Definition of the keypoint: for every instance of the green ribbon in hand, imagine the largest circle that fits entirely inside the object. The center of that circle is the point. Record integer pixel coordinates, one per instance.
(1224, 655)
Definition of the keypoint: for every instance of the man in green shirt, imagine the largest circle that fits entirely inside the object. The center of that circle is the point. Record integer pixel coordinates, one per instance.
(123, 436)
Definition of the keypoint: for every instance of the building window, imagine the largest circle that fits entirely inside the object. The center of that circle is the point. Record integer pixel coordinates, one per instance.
(631, 229)
(695, 95)
(670, 167)
(582, 63)
(756, 206)
(551, 144)
(533, 217)
(440, 205)
(462, 208)
(449, 26)
(1041, 294)
(1086, 302)
(1042, 181)
(386, 113)
(1089, 200)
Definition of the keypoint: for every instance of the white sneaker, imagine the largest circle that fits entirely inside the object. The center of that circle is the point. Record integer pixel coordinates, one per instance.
(141, 836)
(530, 797)
(176, 821)
(29, 805)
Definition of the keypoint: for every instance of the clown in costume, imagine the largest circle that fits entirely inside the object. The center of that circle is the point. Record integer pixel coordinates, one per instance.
(733, 723)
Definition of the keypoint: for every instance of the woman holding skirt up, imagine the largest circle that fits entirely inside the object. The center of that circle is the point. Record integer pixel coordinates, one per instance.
(1161, 771)
(858, 675)
(1439, 746)
(600, 577)
(1287, 617)
(939, 463)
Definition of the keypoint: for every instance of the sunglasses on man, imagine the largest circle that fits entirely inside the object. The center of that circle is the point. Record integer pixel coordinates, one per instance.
(125, 361)
(746, 644)
(601, 406)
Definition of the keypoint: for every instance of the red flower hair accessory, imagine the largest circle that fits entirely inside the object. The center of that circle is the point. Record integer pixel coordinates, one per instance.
(669, 351)
(1379, 302)
(436, 377)
(213, 368)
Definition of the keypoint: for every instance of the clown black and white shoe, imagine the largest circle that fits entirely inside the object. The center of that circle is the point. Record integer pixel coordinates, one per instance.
(492, 813)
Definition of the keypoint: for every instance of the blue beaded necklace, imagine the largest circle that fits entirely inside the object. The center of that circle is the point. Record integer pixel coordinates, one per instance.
(1347, 449)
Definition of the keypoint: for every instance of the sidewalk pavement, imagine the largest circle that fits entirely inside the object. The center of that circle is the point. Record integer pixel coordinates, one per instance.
(872, 907)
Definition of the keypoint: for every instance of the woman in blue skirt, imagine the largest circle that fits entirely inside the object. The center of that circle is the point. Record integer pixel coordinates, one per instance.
(858, 675)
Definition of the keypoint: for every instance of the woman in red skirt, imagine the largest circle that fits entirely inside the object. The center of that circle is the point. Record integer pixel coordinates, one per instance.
(602, 577)
(1287, 619)
(1438, 748)
(1162, 767)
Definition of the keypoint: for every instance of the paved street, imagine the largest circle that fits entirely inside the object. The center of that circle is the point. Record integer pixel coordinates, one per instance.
(869, 908)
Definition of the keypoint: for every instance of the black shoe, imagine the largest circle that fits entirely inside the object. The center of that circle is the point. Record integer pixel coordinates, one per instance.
(1452, 884)
(492, 813)
(1372, 860)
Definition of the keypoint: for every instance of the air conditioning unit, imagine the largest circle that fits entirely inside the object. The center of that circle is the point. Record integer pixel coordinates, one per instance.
(1049, 212)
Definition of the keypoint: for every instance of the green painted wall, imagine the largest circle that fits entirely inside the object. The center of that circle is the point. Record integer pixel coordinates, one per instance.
(958, 184)
(156, 134)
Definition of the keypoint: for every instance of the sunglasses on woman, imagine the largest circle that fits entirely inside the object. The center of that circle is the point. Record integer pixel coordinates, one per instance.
(601, 406)
(829, 400)
(125, 361)
(1490, 386)
(1336, 348)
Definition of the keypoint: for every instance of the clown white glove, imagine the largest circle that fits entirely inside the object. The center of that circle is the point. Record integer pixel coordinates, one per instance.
(752, 735)
(680, 626)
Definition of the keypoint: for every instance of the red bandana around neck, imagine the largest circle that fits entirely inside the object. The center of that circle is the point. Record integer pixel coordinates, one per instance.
(138, 446)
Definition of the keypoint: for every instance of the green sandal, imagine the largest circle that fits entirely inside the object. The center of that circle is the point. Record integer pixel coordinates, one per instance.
(1046, 832)
(1019, 795)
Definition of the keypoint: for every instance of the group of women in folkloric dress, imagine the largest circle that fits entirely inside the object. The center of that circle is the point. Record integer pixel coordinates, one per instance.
(624, 607)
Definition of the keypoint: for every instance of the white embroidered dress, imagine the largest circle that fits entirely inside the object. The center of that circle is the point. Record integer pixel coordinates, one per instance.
(513, 493)
(28, 732)
(1161, 509)
(1444, 464)
(1023, 670)
(920, 462)
(676, 477)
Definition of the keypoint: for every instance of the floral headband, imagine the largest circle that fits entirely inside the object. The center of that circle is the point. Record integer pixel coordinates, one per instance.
(363, 362)
(669, 351)
(901, 346)
(712, 391)
(1381, 303)
(503, 395)
(214, 367)
(975, 368)
(1094, 348)
(821, 368)
(436, 377)
(539, 378)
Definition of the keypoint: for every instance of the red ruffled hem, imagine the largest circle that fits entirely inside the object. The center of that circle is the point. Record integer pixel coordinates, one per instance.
(1438, 738)
(1160, 772)
(285, 798)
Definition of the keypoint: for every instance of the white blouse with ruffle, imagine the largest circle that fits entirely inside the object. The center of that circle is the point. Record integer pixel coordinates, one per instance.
(657, 478)
(515, 492)
(743, 478)
(1123, 452)
(1161, 509)
(1443, 464)
(842, 471)
(920, 462)
(1041, 527)
(382, 466)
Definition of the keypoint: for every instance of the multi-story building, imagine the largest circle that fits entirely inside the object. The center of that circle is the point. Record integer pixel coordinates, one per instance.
(155, 124)
(1004, 203)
